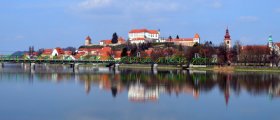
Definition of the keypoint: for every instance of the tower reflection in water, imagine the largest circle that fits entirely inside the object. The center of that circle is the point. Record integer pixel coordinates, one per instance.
(142, 86)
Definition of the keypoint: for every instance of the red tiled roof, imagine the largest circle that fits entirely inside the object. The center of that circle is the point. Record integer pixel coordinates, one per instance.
(89, 49)
(77, 56)
(105, 52)
(278, 44)
(144, 30)
(59, 50)
(196, 35)
(255, 47)
(153, 31)
(149, 52)
(35, 53)
(106, 42)
(121, 40)
(117, 54)
(88, 38)
(81, 52)
(106, 49)
(47, 52)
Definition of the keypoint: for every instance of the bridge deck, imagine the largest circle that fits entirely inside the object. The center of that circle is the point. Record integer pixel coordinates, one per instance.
(55, 61)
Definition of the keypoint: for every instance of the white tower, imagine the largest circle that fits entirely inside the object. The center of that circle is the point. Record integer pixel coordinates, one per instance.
(270, 42)
(196, 38)
(88, 41)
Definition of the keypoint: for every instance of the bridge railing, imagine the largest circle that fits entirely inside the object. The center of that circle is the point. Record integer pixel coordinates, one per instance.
(129, 60)
(148, 60)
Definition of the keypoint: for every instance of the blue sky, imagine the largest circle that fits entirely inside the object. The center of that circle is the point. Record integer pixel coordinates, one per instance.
(52, 23)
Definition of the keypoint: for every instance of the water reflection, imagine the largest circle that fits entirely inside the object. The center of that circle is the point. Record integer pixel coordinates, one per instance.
(146, 86)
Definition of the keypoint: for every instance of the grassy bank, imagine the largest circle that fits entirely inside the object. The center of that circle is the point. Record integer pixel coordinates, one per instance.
(148, 66)
(238, 69)
(256, 69)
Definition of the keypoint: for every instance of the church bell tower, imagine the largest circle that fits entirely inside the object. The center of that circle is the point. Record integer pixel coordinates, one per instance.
(227, 40)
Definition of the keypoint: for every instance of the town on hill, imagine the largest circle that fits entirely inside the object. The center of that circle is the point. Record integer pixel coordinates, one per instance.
(148, 44)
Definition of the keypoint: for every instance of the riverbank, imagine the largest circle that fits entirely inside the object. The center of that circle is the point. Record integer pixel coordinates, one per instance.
(148, 66)
(225, 69)
(237, 69)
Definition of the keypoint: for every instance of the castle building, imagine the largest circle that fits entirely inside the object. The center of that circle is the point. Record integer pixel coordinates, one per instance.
(143, 35)
(186, 41)
(109, 42)
(88, 41)
(227, 40)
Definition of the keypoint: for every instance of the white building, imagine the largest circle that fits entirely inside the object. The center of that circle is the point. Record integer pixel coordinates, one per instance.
(185, 41)
(88, 41)
(57, 52)
(143, 35)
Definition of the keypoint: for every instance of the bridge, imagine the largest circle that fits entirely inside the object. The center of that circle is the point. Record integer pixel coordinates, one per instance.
(110, 63)
(73, 63)
(55, 61)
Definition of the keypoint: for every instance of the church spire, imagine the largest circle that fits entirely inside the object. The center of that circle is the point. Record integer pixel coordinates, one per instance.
(270, 41)
(227, 36)
(227, 40)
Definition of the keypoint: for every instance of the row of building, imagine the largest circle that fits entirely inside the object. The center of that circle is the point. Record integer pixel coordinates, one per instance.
(104, 50)
(137, 36)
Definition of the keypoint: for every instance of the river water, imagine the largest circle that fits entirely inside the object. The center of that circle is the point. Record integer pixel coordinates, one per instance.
(56, 93)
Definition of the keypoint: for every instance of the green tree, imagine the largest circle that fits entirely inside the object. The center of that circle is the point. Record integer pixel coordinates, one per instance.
(124, 52)
(180, 48)
(222, 54)
(115, 38)
(177, 37)
(170, 38)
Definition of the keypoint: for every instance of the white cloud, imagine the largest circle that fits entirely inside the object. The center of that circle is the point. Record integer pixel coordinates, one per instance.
(248, 18)
(92, 4)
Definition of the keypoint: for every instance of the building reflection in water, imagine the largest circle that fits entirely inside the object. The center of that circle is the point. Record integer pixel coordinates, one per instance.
(143, 86)
(137, 92)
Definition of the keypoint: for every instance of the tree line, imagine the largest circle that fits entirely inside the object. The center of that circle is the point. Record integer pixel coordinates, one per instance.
(253, 55)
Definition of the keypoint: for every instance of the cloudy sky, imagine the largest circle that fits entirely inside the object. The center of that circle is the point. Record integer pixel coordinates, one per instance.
(52, 23)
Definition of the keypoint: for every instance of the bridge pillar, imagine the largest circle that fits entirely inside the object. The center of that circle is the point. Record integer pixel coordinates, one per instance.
(117, 67)
(95, 67)
(64, 67)
(32, 66)
(1, 65)
(154, 66)
(46, 66)
(32, 70)
(22, 65)
(25, 66)
(75, 67)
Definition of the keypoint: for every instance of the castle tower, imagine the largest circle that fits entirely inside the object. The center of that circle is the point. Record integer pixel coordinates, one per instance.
(227, 40)
(196, 38)
(270, 42)
(88, 41)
